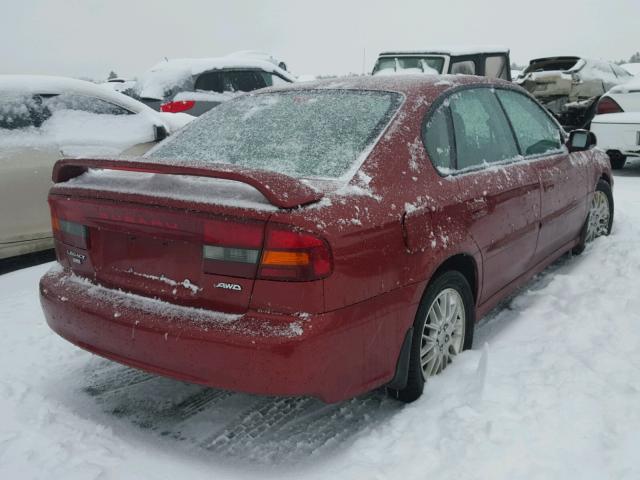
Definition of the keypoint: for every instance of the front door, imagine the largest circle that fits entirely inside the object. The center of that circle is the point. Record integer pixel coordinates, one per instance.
(562, 175)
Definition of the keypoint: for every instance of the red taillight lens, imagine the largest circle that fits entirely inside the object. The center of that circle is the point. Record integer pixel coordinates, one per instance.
(178, 106)
(293, 255)
(608, 105)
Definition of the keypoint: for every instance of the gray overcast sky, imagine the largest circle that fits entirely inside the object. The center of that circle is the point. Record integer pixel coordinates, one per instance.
(91, 37)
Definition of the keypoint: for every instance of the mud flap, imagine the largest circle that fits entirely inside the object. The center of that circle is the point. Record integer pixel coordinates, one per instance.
(399, 380)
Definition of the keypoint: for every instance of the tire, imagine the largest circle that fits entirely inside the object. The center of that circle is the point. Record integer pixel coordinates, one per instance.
(441, 289)
(617, 160)
(603, 224)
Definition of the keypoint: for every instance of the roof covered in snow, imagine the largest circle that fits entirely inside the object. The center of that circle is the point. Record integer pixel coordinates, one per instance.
(407, 84)
(52, 85)
(450, 50)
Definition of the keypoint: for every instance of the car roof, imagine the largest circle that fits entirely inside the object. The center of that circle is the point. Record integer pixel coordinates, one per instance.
(451, 50)
(176, 71)
(406, 84)
(53, 85)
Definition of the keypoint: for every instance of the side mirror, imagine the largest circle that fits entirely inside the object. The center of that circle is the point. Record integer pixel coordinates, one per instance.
(160, 132)
(581, 140)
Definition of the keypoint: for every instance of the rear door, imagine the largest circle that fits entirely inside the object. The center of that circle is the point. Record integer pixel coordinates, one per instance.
(500, 194)
(563, 176)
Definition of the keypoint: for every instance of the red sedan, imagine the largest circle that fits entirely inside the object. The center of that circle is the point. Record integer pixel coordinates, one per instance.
(321, 239)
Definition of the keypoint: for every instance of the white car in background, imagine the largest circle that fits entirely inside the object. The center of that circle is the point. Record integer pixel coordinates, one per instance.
(43, 119)
(617, 123)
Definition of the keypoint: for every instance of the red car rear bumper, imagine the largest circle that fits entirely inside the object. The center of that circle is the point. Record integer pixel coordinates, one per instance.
(332, 356)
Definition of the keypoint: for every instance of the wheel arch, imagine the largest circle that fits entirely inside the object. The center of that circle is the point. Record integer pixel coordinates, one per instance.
(466, 265)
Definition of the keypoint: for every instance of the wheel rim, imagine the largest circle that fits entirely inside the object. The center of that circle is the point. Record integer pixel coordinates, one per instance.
(599, 214)
(443, 332)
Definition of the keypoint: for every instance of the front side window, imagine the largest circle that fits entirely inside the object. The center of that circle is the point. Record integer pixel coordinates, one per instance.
(83, 103)
(271, 79)
(298, 133)
(437, 140)
(482, 132)
(535, 131)
(495, 66)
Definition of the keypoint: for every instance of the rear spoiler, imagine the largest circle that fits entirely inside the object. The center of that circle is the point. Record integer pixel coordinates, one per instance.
(280, 190)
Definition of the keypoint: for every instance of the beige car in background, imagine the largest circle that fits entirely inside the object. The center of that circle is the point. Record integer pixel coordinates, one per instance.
(43, 119)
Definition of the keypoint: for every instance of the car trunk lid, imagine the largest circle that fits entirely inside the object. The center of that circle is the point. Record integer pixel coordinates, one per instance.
(188, 250)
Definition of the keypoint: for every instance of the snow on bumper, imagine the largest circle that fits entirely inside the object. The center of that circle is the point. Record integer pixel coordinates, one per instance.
(319, 355)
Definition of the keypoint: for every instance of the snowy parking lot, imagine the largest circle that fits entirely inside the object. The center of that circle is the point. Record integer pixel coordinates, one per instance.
(550, 390)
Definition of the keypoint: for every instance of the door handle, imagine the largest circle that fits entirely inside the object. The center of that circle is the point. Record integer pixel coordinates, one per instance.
(477, 204)
(478, 207)
(548, 184)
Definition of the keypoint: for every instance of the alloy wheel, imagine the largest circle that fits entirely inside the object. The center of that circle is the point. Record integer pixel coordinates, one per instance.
(599, 215)
(443, 333)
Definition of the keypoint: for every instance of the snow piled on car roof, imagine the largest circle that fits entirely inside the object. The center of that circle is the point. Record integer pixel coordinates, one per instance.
(53, 85)
(178, 72)
(451, 50)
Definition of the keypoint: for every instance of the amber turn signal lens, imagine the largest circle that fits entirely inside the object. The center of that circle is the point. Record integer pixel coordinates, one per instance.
(275, 257)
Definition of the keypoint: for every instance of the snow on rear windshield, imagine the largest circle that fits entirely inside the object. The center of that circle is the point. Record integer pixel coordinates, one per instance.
(299, 133)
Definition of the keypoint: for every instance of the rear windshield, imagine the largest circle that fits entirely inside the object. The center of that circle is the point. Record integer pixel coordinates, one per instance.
(405, 64)
(309, 133)
(561, 64)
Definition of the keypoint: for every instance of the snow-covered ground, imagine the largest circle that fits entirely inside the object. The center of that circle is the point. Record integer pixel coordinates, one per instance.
(551, 390)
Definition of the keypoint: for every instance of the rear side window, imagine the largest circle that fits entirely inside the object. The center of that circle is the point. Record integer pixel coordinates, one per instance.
(305, 133)
(482, 132)
(466, 67)
(535, 131)
(437, 141)
(495, 66)
(84, 103)
(21, 111)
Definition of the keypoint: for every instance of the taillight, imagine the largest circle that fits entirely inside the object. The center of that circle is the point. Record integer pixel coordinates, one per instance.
(232, 249)
(608, 105)
(292, 255)
(237, 250)
(177, 106)
(71, 233)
